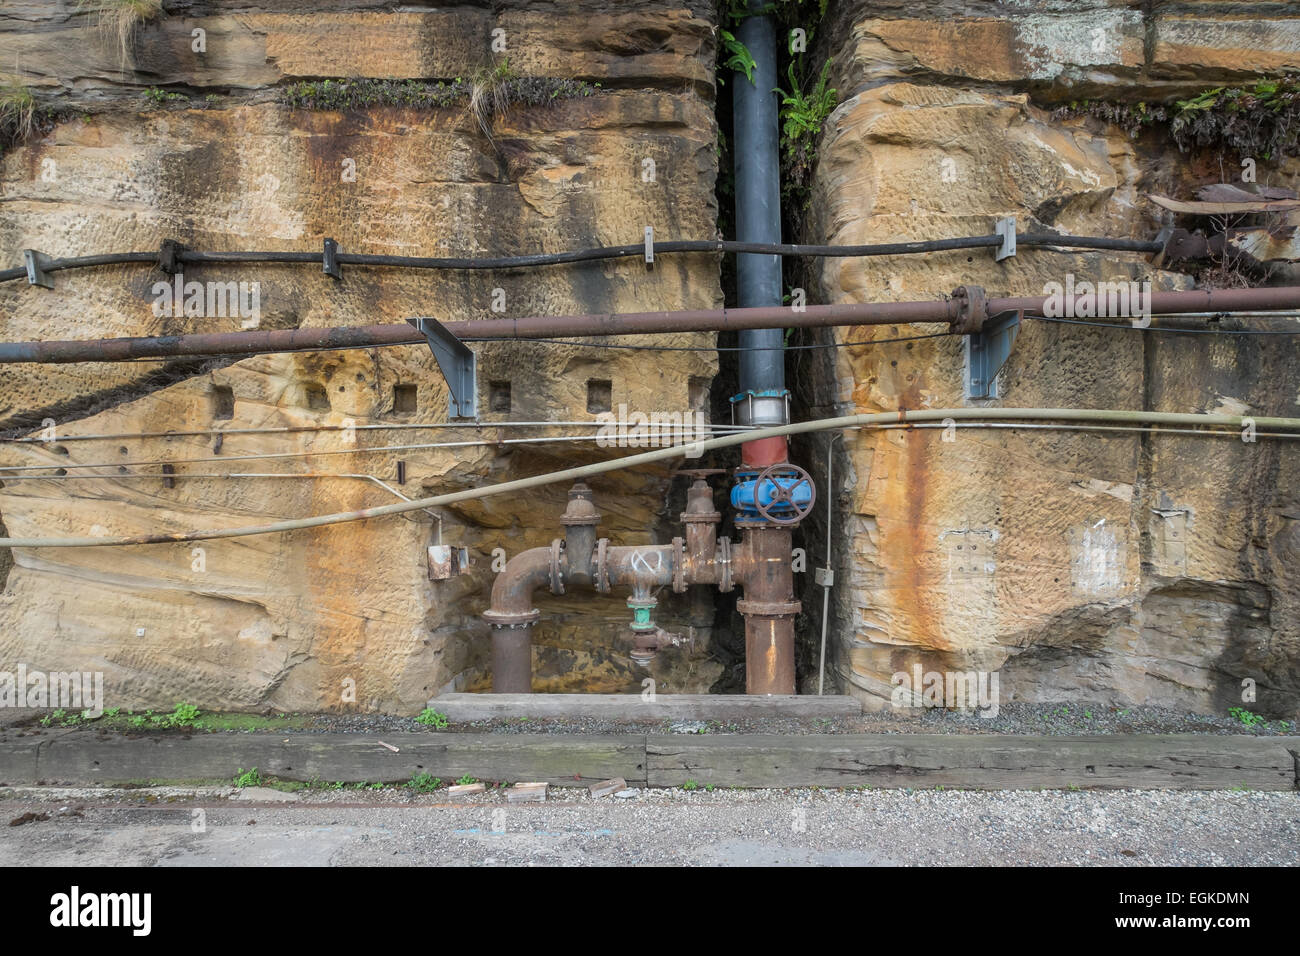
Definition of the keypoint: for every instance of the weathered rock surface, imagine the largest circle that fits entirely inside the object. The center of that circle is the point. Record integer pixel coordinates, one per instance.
(294, 621)
(1107, 566)
(1154, 569)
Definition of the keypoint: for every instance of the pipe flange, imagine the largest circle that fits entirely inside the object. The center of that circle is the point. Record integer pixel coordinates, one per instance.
(557, 575)
(973, 309)
(769, 608)
(512, 619)
(726, 581)
(679, 565)
(709, 517)
(600, 580)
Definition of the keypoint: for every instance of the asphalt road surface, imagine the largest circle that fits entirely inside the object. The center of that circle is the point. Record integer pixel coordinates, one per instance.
(226, 827)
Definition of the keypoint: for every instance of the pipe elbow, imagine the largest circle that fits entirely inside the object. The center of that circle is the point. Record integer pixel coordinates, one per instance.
(512, 591)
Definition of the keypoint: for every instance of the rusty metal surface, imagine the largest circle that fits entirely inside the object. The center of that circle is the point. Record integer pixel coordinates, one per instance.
(629, 323)
(512, 591)
(440, 567)
(766, 574)
(769, 655)
(512, 659)
(974, 309)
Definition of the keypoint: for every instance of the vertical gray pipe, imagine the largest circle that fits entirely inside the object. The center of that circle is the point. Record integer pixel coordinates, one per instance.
(756, 139)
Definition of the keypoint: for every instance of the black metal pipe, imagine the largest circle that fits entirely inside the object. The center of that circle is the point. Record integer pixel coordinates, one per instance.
(758, 200)
(630, 251)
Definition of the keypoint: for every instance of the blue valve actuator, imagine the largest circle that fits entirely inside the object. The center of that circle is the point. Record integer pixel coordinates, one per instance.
(742, 494)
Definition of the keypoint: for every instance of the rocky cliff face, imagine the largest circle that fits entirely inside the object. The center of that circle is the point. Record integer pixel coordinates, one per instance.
(1108, 566)
(288, 620)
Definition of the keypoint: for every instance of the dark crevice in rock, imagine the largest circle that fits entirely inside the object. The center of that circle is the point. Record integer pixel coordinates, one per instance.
(6, 555)
(84, 406)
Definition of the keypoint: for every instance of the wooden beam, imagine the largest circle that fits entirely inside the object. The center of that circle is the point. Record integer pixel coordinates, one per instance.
(1003, 761)
(991, 761)
(561, 759)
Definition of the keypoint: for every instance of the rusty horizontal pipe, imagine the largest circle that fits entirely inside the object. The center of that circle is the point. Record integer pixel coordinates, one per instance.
(946, 310)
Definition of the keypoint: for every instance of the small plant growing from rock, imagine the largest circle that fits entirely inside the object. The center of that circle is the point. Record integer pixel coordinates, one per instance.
(737, 56)
(116, 22)
(158, 97)
(489, 94)
(466, 780)
(1247, 717)
(424, 782)
(17, 112)
(185, 715)
(247, 778)
(802, 116)
(432, 718)
(690, 785)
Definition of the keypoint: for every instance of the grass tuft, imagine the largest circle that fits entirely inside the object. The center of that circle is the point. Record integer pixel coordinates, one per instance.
(116, 21)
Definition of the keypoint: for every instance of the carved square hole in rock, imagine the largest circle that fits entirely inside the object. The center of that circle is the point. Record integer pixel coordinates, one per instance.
(600, 395)
(499, 396)
(405, 399)
(317, 398)
(697, 393)
(223, 402)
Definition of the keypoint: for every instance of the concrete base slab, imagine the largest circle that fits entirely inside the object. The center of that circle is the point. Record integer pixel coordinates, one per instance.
(263, 795)
(466, 707)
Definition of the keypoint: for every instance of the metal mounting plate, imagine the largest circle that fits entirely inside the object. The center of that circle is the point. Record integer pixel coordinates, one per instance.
(458, 365)
(987, 352)
(37, 263)
(1006, 231)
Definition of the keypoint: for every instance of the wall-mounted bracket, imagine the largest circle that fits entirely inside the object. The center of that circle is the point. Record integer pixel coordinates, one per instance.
(457, 363)
(1006, 231)
(37, 263)
(650, 247)
(169, 254)
(330, 260)
(987, 351)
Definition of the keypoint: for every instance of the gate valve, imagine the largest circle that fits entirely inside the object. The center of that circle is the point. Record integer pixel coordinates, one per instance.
(783, 494)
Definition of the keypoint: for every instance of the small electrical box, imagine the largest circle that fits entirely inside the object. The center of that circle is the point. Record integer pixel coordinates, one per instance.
(446, 561)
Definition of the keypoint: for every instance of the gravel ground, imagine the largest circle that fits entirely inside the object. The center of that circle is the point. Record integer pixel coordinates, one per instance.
(1072, 718)
(157, 827)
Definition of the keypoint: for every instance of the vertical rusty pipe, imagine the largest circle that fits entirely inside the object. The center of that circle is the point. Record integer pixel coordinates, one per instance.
(512, 658)
(513, 617)
(769, 608)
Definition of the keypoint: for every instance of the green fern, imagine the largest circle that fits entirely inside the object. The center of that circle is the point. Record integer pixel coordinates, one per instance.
(738, 58)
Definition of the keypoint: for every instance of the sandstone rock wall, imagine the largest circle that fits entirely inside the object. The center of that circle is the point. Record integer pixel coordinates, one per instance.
(285, 620)
(1107, 566)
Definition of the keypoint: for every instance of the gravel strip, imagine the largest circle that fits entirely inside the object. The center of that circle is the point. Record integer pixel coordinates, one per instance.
(675, 827)
(1062, 719)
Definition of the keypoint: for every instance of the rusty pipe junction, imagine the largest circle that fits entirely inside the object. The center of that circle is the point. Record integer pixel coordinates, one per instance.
(760, 564)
